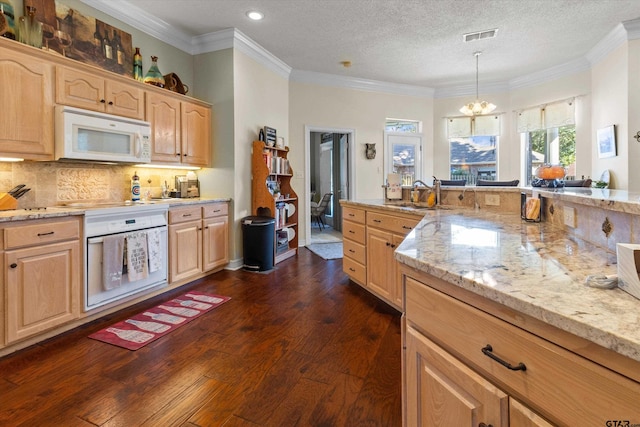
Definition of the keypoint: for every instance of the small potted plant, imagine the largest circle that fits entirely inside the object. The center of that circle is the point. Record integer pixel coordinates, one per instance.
(276, 191)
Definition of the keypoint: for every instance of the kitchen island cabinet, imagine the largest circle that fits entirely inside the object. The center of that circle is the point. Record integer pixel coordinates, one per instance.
(42, 276)
(27, 85)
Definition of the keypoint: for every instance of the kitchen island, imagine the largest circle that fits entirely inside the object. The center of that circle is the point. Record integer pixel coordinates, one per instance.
(480, 284)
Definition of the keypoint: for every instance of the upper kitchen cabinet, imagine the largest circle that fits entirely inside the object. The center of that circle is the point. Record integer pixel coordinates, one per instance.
(180, 129)
(26, 128)
(95, 92)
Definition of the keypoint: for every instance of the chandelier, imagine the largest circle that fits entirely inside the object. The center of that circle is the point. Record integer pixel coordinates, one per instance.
(477, 107)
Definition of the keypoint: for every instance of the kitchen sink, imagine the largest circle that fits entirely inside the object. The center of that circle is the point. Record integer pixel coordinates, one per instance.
(418, 207)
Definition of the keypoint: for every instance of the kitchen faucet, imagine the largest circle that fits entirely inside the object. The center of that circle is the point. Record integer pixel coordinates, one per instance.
(435, 187)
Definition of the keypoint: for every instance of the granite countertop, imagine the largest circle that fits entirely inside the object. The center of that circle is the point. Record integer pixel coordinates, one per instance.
(534, 268)
(80, 209)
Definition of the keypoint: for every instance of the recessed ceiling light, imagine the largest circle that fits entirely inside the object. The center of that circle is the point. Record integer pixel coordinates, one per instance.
(255, 15)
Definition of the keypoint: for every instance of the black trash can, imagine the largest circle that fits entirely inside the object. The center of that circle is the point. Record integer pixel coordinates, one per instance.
(258, 237)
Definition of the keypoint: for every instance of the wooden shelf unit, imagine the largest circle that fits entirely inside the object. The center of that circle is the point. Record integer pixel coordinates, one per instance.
(263, 202)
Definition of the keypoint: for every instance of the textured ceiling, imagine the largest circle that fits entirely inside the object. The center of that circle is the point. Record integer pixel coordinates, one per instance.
(415, 42)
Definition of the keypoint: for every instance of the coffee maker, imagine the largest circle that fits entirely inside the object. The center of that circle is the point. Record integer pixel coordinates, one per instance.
(187, 186)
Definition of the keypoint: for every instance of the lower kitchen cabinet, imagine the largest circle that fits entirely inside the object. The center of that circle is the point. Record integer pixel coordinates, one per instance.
(198, 241)
(215, 236)
(42, 276)
(384, 233)
(465, 366)
(185, 243)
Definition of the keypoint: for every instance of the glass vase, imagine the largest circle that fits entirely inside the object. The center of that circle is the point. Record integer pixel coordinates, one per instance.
(154, 76)
(29, 28)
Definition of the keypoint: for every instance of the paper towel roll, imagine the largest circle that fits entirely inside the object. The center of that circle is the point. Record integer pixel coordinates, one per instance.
(394, 186)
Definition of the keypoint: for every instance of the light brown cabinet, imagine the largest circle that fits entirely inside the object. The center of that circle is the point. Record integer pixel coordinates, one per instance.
(546, 383)
(198, 241)
(185, 243)
(27, 86)
(270, 167)
(215, 236)
(180, 130)
(42, 276)
(94, 92)
(374, 235)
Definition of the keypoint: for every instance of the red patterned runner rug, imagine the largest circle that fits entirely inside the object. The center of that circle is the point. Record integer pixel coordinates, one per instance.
(148, 326)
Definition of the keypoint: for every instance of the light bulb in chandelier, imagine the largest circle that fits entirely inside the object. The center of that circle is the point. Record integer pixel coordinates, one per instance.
(478, 107)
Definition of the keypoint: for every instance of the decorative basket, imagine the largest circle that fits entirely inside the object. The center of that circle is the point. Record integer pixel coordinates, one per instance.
(174, 84)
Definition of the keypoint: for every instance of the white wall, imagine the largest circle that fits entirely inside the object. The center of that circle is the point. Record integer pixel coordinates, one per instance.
(633, 116)
(333, 107)
(610, 85)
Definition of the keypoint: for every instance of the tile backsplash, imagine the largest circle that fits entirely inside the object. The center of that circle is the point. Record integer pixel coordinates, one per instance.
(58, 183)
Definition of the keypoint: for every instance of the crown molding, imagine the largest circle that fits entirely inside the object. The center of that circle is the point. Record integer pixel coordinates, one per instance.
(333, 80)
(129, 13)
(233, 38)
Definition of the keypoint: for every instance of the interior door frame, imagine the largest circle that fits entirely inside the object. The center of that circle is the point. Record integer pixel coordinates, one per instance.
(351, 136)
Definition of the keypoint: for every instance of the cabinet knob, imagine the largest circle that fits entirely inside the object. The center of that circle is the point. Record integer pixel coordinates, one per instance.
(484, 425)
(14, 265)
(177, 154)
(393, 246)
(185, 155)
(388, 244)
(110, 102)
(103, 101)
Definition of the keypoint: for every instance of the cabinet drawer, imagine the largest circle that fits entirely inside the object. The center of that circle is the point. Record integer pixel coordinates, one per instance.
(41, 233)
(558, 384)
(355, 270)
(355, 215)
(216, 209)
(355, 251)
(184, 214)
(395, 224)
(353, 231)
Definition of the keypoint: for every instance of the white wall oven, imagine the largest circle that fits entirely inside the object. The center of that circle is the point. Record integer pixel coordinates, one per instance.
(126, 252)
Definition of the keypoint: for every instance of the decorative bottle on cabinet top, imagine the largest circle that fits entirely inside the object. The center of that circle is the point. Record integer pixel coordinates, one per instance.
(154, 76)
(137, 65)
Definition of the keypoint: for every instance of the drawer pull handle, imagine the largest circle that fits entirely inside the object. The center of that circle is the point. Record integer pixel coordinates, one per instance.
(351, 269)
(217, 210)
(14, 265)
(487, 351)
(351, 215)
(377, 220)
(485, 425)
(388, 244)
(352, 232)
(352, 251)
(406, 227)
(186, 215)
(49, 233)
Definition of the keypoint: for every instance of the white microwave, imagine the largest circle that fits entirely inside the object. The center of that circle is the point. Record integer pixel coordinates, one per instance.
(88, 135)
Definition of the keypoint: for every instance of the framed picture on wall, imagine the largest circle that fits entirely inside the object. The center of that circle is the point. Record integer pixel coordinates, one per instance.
(606, 139)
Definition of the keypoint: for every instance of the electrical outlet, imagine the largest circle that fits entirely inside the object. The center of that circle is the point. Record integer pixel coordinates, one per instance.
(569, 216)
(492, 199)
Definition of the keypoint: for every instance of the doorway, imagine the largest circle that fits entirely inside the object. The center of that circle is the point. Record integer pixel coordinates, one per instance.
(329, 171)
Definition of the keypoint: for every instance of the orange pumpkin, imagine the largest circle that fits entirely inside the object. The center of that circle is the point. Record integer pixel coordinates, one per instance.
(550, 172)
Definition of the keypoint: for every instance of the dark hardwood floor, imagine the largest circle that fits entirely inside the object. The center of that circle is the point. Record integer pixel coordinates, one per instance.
(299, 346)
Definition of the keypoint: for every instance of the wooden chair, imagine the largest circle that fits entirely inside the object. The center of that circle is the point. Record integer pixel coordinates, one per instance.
(318, 211)
(453, 182)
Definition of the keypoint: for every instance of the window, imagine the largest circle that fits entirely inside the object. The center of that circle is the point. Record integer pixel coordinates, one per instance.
(556, 146)
(399, 125)
(473, 147)
(403, 149)
(473, 158)
(548, 135)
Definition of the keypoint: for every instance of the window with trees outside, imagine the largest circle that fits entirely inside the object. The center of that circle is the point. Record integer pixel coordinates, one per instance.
(548, 136)
(403, 149)
(473, 148)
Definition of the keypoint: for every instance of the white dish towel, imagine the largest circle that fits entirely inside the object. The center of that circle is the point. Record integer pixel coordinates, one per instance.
(112, 257)
(137, 266)
(155, 254)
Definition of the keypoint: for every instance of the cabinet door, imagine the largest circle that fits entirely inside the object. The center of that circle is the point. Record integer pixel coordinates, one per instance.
(163, 112)
(381, 273)
(196, 134)
(441, 391)
(185, 250)
(124, 99)
(26, 84)
(79, 89)
(397, 276)
(521, 416)
(215, 240)
(43, 288)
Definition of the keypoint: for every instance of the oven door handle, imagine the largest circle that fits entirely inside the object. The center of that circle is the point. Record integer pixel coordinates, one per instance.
(94, 240)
